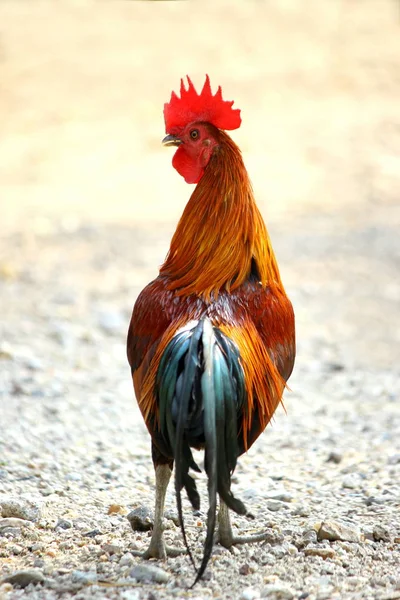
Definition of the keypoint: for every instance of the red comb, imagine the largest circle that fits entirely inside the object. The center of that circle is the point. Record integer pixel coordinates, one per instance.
(192, 107)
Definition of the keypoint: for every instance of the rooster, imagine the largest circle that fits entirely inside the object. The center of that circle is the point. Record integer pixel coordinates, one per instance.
(211, 341)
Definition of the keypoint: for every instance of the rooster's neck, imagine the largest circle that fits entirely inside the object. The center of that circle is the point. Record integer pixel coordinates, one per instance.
(221, 238)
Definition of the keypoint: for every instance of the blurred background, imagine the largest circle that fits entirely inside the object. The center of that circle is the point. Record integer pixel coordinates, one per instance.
(82, 88)
(89, 199)
(88, 204)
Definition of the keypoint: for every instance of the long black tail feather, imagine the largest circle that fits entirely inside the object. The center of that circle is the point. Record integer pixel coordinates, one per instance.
(201, 395)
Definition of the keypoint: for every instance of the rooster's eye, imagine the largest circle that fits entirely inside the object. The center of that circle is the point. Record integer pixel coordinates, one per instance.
(194, 134)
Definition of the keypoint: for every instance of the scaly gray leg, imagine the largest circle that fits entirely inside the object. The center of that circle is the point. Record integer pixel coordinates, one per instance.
(157, 547)
(225, 535)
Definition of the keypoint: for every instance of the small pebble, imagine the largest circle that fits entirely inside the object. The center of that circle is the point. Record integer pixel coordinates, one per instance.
(11, 532)
(5, 588)
(277, 591)
(38, 563)
(67, 545)
(322, 552)
(245, 569)
(378, 500)
(274, 505)
(309, 537)
(33, 363)
(21, 509)
(249, 594)
(23, 578)
(278, 551)
(111, 549)
(267, 559)
(47, 491)
(394, 459)
(134, 595)
(126, 560)
(332, 530)
(93, 533)
(302, 510)
(14, 522)
(84, 577)
(380, 534)
(64, 524)
(281, 495)
(115, 509)
(335, 457)
(351, 481)
(141, 519)
(148, 573)
(73, 476)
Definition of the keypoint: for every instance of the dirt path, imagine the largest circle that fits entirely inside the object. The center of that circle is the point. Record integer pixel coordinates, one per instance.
(88, 203)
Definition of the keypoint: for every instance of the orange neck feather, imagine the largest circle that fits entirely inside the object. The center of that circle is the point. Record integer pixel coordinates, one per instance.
(221, 233)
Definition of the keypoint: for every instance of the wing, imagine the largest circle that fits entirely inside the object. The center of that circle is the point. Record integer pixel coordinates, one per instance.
(261, 323)
(273, 316)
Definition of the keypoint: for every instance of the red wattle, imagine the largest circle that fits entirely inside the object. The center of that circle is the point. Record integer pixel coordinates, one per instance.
(186, 166)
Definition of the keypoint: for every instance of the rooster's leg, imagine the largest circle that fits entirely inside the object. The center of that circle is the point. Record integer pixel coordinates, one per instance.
(225, 535)
(157, 547)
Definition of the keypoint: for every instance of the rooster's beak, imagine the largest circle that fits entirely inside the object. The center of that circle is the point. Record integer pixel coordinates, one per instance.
(171, 140)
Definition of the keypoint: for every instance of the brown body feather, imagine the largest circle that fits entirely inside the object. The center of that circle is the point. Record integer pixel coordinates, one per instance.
(220, 265)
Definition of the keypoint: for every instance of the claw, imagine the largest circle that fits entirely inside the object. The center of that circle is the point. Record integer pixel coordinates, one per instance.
(159, 551)
(225, 535)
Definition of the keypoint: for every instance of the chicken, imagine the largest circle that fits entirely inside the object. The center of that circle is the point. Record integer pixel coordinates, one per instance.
(211, 342)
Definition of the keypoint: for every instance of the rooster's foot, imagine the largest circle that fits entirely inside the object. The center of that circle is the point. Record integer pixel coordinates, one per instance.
(225, 535)
(229, 540)
(158, 549)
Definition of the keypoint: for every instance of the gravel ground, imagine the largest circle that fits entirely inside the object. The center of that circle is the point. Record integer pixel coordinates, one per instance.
(324, 479)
